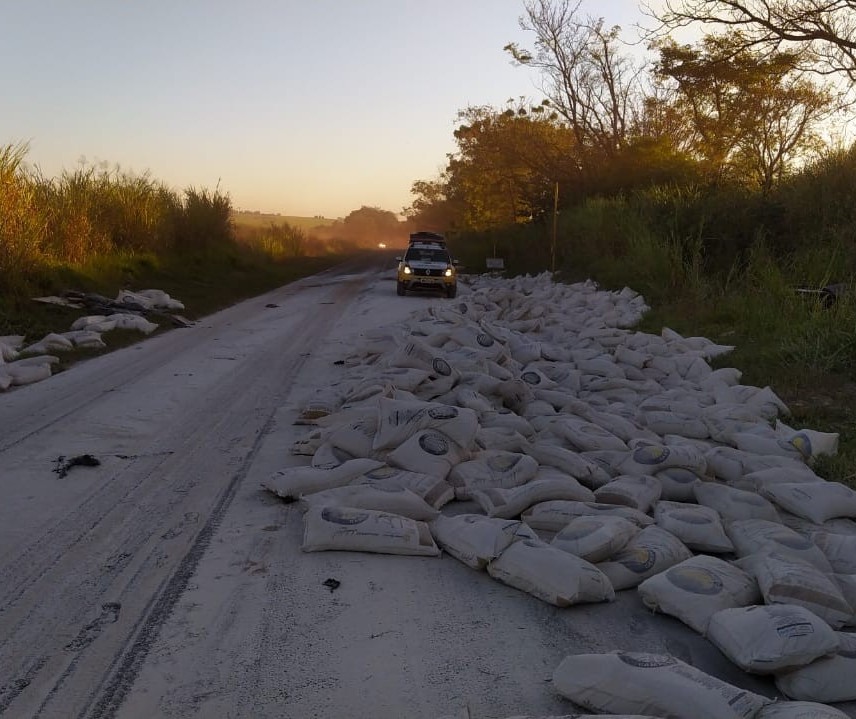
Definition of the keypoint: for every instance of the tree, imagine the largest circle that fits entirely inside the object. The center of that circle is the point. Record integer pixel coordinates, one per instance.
(750, 114)
(508, 162)
(784, 129)
(365, 227)
(586, 77)
(433, 209)
(822, 32)
(504, 170)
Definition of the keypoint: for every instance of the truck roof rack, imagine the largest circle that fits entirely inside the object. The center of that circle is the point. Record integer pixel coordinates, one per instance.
(427, 238)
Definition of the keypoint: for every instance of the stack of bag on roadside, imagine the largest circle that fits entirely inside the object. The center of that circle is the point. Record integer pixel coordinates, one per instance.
(16, 370)
(22, 363)
(594, 459)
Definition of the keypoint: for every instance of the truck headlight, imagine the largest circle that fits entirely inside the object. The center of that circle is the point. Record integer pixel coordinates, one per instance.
(449, 272)
(406, 270)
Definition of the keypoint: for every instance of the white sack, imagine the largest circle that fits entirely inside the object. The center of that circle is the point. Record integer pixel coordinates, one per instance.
(160, 299)
(538, 380)
(419, 355)
(500, 438)
(538, 408)
(799, 710)
(398, 421)
(9, 346)
(509, 420)
(394, 500)
(602, 366)
(760, 444)
(293, 482)
(785, 580)
(726, 463)
(622, 426)
(132, 322)
(639, 492)
(492, 469)
(654, 684)
(588, 472)
(428, 452)
(309, 444)
(22, 373)
(826, 680)
(51, 342)
(809, 442)
(436, 492)
(85, 339)
(779, 475)
(595, 539)
(135, 298)
(575, 716)
(694, 590)
(758, 535)
(757, 462)
(324, 402)
(475, 539)
(356, 437)
(815, 501)
(650, 458)
(847, 584)
(508, 503)
(650, 552)
(555, 515)
(364, 530)
(771, 639)
(676, 423)
(328, 456)
(840, 525)
(515, 394)
(94, 323)
(550, 574)
(697, 526)
(406, 379)
(678, 484)
(734, 504)
(608, 460)
(839, 549)
(587, 436)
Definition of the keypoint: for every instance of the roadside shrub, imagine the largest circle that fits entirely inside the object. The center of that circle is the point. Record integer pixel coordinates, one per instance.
(96, 211)
(22, 224)
(203, 222)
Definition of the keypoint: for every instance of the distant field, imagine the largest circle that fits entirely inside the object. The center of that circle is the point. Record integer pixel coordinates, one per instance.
(243, 218)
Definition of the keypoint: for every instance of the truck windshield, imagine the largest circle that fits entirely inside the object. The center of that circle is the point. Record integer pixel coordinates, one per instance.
(426, 255)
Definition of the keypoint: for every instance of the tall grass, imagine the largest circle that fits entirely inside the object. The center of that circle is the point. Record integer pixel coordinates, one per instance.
(91, 212)
(278, 240)
(22, 225)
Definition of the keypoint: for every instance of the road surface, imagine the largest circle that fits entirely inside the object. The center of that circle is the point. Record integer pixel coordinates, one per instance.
(166, 583)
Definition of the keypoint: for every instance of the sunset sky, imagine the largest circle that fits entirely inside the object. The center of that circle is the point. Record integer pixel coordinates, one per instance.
(302, 107)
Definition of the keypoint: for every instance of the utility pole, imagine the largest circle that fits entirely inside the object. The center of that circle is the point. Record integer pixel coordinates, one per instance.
(555, 218)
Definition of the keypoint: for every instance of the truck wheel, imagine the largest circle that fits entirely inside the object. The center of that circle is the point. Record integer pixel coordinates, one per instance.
(452, 291)
(400, 289)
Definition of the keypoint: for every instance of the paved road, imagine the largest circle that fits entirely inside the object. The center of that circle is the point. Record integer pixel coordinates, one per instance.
(91, 564)
(165, 583)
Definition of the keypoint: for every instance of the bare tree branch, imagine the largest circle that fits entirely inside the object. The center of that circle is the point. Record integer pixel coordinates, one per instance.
(587, 78)
(822, 31)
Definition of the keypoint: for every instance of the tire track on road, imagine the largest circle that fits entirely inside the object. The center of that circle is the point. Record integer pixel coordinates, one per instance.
(140, 561)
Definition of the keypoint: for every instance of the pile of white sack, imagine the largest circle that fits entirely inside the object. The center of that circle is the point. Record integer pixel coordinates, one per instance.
(596, 459)
(22, 363)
